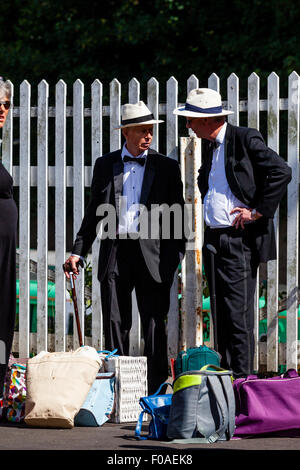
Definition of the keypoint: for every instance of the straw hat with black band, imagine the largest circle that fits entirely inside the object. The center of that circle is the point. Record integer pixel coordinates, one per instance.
(136, 114)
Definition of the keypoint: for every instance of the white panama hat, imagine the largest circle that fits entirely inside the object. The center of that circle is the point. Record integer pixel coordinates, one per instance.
(202, 102)
(136, 115)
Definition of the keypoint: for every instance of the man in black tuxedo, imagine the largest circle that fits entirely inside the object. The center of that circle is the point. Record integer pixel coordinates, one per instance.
(139, 184)
(241, 182)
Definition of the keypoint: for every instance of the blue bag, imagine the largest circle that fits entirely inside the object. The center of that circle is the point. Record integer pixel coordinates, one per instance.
(99, 403)
(158, 407)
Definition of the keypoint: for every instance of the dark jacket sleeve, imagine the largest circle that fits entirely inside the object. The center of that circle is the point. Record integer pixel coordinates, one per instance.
(271, 172)
(256, 174)
(88, 229)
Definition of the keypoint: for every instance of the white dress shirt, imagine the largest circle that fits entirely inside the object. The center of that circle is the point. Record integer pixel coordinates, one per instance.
(132, 187)
(219, 199)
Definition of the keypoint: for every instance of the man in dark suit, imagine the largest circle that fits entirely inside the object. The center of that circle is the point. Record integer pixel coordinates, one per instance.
(241, 182)
(140, 185)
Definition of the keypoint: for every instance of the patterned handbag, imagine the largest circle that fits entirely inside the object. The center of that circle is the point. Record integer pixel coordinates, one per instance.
(12, 405)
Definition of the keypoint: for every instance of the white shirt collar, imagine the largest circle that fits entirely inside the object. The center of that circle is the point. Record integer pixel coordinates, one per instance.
(221, 135)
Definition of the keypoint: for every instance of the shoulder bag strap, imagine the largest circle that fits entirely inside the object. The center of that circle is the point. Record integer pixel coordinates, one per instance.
(229, 393)
(139, 427)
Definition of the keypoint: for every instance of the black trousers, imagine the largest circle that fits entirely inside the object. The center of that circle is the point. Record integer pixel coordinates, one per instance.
(127, 271)
(8, 225)
(236, 264)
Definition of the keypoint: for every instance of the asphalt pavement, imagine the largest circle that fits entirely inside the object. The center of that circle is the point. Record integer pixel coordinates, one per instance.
(116, 444)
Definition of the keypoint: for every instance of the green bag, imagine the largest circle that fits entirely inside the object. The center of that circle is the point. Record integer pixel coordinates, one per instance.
(195, 359)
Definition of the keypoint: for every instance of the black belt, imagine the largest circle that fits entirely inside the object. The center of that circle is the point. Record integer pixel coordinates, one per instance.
(231, 230)
(128, 236)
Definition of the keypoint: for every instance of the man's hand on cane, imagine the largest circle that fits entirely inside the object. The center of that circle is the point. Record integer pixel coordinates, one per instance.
(72, 265)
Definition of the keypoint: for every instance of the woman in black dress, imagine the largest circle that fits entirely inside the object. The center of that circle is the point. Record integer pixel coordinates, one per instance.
(8, 228)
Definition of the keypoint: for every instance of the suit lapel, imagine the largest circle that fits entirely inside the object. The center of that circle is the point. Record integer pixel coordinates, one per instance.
(230, 160)
(148, 178)
(118, 170)
(207, 157)
(229, 149)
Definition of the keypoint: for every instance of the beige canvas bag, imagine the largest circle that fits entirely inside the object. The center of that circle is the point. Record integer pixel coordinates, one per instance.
(57, 386)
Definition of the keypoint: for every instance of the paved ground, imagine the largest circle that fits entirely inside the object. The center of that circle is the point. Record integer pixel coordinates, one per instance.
(117, 441)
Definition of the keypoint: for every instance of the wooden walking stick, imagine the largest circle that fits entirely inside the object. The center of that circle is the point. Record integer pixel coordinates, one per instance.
(74, 298)
(213, 302)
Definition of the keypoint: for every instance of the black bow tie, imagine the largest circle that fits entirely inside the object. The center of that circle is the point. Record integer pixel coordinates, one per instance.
(141, 160)
(214, 144)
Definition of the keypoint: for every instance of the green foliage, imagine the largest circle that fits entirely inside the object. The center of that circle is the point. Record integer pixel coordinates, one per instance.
(142, 38)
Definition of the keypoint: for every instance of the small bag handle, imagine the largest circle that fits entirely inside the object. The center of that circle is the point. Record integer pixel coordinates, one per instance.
(291, 373)
(160, 387)
(216, 368)
(109, 353)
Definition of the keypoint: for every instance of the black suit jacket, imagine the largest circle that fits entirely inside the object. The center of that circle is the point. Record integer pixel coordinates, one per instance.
(161, 185)
(256, 175)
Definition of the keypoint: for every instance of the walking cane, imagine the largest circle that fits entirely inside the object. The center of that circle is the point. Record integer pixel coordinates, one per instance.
(213, 302)
(74, 298)
(66, 268)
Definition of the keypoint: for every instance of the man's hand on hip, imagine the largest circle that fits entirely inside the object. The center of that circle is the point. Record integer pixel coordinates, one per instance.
(244, 216)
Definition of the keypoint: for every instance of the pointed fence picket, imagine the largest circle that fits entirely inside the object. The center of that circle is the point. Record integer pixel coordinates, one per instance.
(96, 148)
(60, 214)
(24, 219)
(185, 319)
(273, 266)
(42, 215)
(293, 223)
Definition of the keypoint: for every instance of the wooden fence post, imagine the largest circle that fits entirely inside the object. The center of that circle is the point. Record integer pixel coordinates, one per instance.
(24, 220)
(293, 224)
(60, 214)
(97, 151)
(272, 267)
(42, 216)
(191, 312)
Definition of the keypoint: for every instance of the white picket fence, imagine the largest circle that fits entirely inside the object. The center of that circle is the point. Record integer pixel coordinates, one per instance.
(184, 323)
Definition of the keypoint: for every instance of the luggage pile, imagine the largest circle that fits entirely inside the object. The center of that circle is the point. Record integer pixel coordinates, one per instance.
(207, 405)
(201, 408)
(84, 387)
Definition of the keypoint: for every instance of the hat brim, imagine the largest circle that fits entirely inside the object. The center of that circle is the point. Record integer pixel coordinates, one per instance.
(136, 124)
(183, 112)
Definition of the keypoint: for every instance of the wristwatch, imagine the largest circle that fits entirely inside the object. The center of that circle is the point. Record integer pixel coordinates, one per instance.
(254, 215)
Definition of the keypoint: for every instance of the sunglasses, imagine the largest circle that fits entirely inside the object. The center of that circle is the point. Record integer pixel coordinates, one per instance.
(6, 104)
